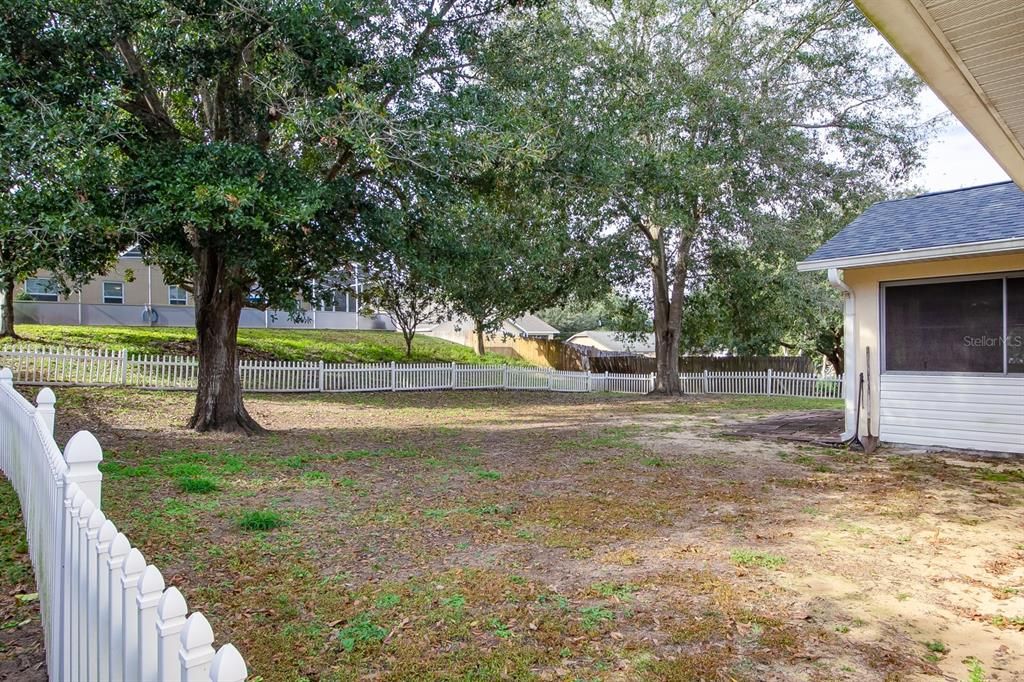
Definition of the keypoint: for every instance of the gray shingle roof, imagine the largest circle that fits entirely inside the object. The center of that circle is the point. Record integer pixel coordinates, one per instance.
(962, 216)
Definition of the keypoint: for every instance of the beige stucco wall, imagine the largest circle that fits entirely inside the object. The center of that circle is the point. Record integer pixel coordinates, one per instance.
(147, 281)
(865, 283)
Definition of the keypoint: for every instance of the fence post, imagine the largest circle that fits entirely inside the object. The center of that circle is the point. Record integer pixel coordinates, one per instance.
(104, 541)
(320, 377)
(769, 381)
(394, 376)
(653, 380)
(83, 455)
(170, 621)
(124, 366)
(119, 549)
(6, 377)
(196, 651)
(44, 408)
(706, 384)
(590, 386)
(454, 368)
(504, 377)
(228, 666)
(151, 589)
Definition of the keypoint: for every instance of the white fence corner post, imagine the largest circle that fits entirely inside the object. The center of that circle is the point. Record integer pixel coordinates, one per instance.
(654, 380)
(454, 370)
(320, 377)
(706, 383)
(83, 455)
(6, 376)
(504, 377)
(124, 366)
(44, 408)
(769, 381)
(196, 653)
(394, 376)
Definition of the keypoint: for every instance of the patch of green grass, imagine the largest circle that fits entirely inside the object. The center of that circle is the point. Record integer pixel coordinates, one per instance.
(623, 591)
(261, 519)
(749, 558)
(314, 477)
(500, 629)
(387, 601)
(487, 474)
(1010, 476)
(114, 470)
(197, 484)
(187, 470)
(592, 616)
(656, 462)
(937, 647)
(295, 461)
(360, 631)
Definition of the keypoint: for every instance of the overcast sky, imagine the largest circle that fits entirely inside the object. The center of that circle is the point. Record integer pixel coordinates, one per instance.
(954, 159)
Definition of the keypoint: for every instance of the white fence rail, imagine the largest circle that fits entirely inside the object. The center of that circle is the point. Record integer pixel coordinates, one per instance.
(106, 614)
(38, 365)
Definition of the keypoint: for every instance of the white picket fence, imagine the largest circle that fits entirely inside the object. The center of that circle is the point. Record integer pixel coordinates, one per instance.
(106, 614)
(41, 365)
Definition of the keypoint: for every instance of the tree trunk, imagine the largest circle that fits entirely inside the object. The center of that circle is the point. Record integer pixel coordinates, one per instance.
(479, 338)
(218, 303)
(7, 328)
(408, 336)
(668, 308)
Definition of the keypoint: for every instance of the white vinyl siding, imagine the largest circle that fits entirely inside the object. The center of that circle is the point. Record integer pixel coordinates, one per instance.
(973, 412)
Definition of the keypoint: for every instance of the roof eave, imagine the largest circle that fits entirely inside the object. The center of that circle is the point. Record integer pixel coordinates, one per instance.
(923, 45)
(986, 248)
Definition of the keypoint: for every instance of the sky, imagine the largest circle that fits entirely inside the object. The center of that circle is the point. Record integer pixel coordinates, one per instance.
(954, 158)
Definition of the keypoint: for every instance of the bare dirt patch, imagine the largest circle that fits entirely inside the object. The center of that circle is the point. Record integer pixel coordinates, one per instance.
(485, 536)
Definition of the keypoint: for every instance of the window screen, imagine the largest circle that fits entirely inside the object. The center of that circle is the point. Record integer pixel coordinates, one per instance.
(113, 292)
(41, 289)
(1015, 325)
(177, 295)
(945, 327)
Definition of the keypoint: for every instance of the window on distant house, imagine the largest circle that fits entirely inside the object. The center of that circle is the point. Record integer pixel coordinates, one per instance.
(41, 288)
(964, 325)
(113, 292)
(177, 295)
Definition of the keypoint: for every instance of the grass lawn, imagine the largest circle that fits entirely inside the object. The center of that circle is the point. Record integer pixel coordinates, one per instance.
(533, 536)
(263, 344)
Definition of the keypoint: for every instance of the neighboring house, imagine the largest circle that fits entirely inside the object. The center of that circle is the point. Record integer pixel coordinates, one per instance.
(463, 331)
(934, 318)
(134, 293)
(616, 342)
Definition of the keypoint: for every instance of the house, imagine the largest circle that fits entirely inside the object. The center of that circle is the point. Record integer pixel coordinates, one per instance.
(463, 331)
(934, 318)
(617, 343)
(135, 293)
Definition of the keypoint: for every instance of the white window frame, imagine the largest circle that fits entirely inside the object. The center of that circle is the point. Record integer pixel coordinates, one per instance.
(176, 301)
(883, 353)
(103, 293)
(44, 296)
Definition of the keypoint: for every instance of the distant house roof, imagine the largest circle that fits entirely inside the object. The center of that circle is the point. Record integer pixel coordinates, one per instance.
(974, 220)
(531, 325)
(617, 342)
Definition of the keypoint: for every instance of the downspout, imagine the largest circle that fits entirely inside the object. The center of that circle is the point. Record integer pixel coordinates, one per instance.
(835, 278)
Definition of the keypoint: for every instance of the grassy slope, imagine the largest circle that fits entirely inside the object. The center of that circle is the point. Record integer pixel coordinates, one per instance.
(282, 344)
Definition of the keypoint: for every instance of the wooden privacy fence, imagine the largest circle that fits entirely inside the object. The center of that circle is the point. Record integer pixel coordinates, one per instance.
(105, 612)
(37, 365)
